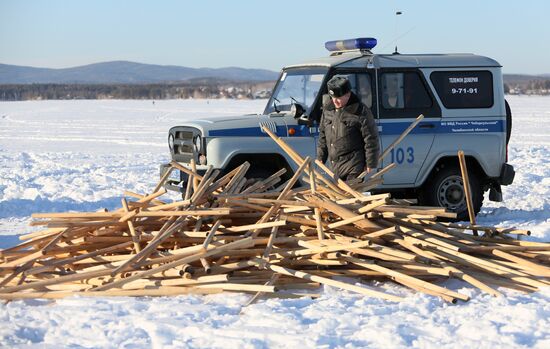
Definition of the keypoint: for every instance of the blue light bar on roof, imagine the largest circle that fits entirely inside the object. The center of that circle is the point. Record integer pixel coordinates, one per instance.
(351, 44)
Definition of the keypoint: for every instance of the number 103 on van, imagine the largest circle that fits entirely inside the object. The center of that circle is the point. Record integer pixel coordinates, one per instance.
(401, 155)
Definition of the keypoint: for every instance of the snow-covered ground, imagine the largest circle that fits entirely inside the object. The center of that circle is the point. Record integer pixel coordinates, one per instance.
(81, 155)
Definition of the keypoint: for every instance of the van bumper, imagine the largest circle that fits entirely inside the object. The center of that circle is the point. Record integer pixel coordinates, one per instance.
(506, 177)
(177, 181)
(507, 174)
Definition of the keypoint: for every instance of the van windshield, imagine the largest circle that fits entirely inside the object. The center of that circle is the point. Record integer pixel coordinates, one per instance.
(300, 85)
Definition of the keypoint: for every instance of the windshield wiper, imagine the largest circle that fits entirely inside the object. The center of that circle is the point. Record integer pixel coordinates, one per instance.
(275, 104)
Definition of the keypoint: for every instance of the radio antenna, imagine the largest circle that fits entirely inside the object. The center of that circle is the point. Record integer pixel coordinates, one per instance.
(397, 14)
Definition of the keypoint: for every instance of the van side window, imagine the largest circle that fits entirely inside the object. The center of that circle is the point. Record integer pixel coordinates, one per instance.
(464, 89)
(392, 91)
(405, 94)
(404, 91)
(364, 88)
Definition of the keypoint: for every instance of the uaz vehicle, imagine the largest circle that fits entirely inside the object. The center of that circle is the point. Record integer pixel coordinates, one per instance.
(460, 95)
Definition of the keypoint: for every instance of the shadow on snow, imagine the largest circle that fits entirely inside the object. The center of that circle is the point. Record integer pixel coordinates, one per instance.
(26, 207)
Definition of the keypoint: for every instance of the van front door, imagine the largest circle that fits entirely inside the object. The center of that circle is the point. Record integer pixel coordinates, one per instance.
(362, 83)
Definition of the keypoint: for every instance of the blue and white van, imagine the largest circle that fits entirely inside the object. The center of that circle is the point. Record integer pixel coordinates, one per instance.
(460, 95)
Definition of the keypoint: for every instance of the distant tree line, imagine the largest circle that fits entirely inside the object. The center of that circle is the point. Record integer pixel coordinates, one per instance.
(528, 87)
(193, 89)
(197, 89)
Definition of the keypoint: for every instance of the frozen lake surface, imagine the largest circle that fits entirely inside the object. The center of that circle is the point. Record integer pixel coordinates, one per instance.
(81, 155)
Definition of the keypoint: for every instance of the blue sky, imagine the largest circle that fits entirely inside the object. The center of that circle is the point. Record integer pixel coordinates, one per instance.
(267, 34)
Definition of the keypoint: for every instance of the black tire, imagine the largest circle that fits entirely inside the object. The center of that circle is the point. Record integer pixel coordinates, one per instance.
(259, 173)
(446, 189)
(508, 121)
(256, 174)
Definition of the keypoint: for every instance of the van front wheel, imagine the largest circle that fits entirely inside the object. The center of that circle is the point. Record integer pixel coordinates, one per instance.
(446, 189)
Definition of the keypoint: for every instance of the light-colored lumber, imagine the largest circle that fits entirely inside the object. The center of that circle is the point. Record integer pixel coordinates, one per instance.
(400, 138)
(133, 232)
(354, 288)
(230, 235)
(409, 279)
(467, 188)
(184, 260)
(158, 292)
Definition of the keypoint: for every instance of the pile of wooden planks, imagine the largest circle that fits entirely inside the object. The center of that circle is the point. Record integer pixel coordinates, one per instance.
(270, 237)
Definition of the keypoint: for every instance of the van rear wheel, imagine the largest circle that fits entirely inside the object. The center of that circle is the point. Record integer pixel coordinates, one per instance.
(446, 189)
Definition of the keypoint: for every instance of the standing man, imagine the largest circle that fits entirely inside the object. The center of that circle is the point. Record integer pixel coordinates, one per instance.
(348, 135)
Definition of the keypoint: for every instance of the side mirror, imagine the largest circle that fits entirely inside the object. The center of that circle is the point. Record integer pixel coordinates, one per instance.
(296, 110)
(304, 120)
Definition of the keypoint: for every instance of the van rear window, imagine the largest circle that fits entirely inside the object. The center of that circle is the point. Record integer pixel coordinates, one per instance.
(464, 89)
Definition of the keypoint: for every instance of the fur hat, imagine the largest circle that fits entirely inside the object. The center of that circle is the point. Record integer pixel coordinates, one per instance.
(338, 86)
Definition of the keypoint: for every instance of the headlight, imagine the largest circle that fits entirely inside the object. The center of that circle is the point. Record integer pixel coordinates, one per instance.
(171, 141)
(198, 143)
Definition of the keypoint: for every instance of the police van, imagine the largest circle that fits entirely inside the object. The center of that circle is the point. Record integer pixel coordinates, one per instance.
(460, 95)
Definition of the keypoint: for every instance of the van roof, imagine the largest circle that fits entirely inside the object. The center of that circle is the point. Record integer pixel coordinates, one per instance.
(358, 59)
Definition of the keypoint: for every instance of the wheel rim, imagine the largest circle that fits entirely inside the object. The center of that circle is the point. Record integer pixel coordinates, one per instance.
(450, 194)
